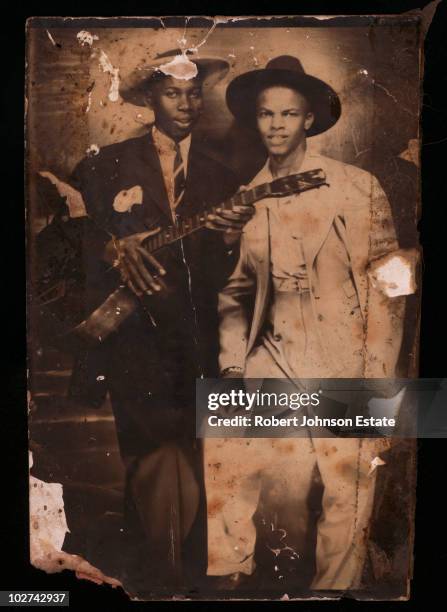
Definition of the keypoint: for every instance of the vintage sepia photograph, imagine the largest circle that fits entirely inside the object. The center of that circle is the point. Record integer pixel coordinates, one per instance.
(233, 199)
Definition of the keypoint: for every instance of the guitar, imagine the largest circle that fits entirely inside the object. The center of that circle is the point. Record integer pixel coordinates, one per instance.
(122, 302)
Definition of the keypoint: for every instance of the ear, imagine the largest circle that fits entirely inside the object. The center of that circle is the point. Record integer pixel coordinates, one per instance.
(308, 122)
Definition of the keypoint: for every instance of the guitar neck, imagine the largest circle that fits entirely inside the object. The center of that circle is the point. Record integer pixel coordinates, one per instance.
(191, 224)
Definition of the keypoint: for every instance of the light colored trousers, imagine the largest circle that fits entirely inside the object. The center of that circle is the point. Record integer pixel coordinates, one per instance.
(234, 471)
(237, 468)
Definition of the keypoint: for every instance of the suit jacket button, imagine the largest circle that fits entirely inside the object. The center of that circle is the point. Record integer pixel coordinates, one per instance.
(320, 317)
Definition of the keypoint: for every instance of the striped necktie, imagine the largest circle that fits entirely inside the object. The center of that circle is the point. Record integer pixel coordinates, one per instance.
(179, 177)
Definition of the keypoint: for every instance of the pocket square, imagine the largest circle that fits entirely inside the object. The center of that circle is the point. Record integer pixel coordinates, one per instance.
(124, 200)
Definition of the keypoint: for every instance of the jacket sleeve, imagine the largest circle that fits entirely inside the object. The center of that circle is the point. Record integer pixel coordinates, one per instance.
(88, 179)
(82, 178)
(235, 308)
(384, 314)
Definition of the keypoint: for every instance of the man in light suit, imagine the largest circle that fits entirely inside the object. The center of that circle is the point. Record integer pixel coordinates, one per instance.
(300, 304)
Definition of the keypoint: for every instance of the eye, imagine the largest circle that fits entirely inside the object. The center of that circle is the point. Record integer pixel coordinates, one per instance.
(171, 93)
(196, 94)
(262, 114)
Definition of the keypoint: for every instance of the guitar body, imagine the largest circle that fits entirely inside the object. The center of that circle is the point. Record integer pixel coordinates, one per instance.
(112, 308)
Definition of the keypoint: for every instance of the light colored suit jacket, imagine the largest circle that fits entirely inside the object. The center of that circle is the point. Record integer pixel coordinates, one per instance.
(355, 199)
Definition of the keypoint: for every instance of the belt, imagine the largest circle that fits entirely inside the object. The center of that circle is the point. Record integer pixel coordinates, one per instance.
(292, 284)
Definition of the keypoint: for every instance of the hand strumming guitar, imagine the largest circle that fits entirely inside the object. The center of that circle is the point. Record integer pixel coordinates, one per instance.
(138, 268)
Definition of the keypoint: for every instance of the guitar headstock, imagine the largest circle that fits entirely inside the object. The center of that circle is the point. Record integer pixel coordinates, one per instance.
(294, 183)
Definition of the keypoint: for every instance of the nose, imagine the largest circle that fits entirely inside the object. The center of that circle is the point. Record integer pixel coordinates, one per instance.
(184, 103)
(277, 121)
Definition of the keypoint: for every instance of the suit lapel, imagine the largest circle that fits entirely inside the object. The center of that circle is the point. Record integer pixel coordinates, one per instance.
(317, 208)
(317, 215)
(152, 176)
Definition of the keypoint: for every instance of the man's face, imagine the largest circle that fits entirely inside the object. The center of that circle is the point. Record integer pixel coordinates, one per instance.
(283, 116)
(177, 105)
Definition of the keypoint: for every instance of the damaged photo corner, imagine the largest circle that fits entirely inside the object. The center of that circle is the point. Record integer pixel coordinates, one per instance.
(232, 199)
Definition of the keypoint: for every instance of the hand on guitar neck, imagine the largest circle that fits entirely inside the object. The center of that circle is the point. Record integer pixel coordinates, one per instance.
(230, 222)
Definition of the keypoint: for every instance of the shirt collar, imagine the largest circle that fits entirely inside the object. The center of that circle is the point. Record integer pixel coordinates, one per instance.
(166, 146)
(308, 163)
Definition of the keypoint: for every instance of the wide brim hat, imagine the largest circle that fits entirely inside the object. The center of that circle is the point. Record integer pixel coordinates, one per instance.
(176, 63)
(285, 71)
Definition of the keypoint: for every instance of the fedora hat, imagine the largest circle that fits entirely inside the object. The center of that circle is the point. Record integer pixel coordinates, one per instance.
(285, 71)
(176, 63)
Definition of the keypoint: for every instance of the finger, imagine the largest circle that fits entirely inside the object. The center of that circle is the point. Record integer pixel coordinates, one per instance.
(232, 215)
(143, 235)
(224, 228)
(136, 279)
(124, 272)
(137, 292)
(219, 222)
(212, 226)
(141, 277)
(162, 284)
(152, 261)
(248, 211)
(243, 207)
(137, 260)
(125, 275)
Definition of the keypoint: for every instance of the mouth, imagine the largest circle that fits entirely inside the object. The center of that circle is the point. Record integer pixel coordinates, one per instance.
(277, 139)
(184, 123)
